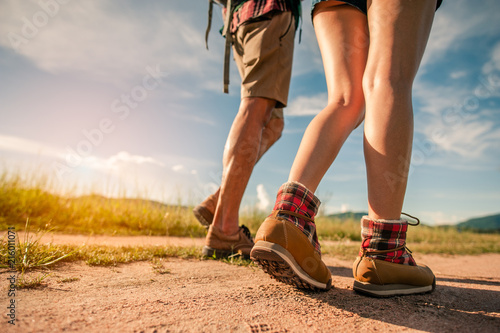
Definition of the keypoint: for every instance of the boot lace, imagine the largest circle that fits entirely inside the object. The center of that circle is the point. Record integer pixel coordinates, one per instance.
(246, 232)
(413, 217)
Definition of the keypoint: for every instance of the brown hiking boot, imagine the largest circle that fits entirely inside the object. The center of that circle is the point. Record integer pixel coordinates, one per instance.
(219, 245)
(380, 278)
(285, 253)
(205, 211)
(385, 266)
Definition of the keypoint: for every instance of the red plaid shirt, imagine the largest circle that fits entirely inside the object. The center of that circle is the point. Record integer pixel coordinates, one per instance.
(254, 8)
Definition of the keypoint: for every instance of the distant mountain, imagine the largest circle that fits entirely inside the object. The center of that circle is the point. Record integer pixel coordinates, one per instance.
(479, 224)
(483, 224)
(348, 216)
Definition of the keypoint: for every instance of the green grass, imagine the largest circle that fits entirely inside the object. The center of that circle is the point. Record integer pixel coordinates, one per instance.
(424, 239)
(104, 255)
(29, 252)
(90, 214)
(94, 255)
(31, 282)
(32, 199)
(33, 256)
(157, 265)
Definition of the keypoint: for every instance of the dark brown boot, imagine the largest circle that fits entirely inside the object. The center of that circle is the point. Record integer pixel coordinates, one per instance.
(219, 245)
(205, 211)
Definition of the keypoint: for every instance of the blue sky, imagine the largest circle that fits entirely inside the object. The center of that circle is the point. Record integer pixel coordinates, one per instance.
(121, 98)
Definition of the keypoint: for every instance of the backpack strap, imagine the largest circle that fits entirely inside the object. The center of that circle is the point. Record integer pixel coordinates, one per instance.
(229, 39)
(225, 32)
(209, 25)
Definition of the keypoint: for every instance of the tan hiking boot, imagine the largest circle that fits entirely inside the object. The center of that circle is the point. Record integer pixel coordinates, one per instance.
(381, 278)
(219, 245)
(205, 211)
(285, 253)
(385, 266)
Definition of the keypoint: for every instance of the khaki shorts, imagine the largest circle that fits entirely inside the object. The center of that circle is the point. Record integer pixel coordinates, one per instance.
(263, 51)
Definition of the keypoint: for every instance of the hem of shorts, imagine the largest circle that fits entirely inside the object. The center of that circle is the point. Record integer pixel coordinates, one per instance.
(279, 104)
(345, 3)
(438, 4)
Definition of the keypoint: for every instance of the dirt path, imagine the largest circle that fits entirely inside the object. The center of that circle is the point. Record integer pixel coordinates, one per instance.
(212, 296)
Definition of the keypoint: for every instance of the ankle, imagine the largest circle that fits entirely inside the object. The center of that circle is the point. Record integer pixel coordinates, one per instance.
(381, 236)
(296, 204)
(295, 197)
(230, 230)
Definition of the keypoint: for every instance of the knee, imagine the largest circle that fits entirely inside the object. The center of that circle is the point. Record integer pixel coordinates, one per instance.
(396, 82)
(276, 125)
(256, 110)
(351, 104)
(346, 96)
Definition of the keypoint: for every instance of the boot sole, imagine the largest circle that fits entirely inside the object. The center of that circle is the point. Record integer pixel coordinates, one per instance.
(280, 265)
(210, 252)
(200, 212)
(388, 290)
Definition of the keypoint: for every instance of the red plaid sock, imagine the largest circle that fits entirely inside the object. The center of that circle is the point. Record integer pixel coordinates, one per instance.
(383, 235)
(295, 197)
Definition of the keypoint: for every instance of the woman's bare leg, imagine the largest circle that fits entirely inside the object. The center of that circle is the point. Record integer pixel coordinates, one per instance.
(343, 41)
(399, 30)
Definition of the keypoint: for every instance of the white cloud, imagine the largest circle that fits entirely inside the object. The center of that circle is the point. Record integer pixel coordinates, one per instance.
(263, 198)
(114, 41)
(455, 119)
(307, 105)
(109, 41)
(458, 74)
(26, 146)
(438, 218)
(470, 139)
(457, 21)
(344, 208)
(178, 167)
(435, 99)
(120, 160)
(126, 157)
(494, 63)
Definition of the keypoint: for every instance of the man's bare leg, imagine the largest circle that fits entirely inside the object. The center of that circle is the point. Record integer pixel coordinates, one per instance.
(271, 133)
(240, 155)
